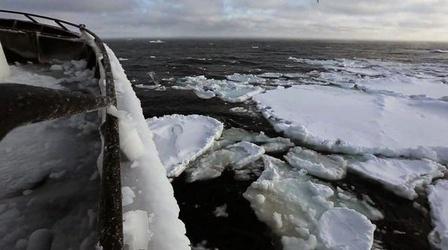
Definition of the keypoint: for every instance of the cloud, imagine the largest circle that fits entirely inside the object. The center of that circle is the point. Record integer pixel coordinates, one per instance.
(342, 19)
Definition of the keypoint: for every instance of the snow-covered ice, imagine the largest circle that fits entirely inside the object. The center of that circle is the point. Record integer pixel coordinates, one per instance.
(438, 200)
(212, 165)
(181, 139)
(354, 122)
(401, 176)
(145, 174)
(226, 90)
(292, 204)
(330, 167)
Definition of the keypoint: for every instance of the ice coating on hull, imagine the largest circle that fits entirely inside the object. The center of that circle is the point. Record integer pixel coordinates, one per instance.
(353, 122)
(145, 174)
(181, 139)
(401, 176)
(4, 67)
(292, 204)
(438, 200)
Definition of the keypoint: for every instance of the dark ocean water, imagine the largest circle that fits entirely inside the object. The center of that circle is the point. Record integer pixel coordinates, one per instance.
(405, 227)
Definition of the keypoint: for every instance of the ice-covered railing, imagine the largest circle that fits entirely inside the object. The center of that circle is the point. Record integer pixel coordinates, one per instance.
(110, 208)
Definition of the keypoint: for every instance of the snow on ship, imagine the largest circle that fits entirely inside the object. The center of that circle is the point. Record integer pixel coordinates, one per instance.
(74, 140)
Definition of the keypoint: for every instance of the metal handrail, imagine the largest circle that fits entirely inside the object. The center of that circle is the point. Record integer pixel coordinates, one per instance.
(110, 207)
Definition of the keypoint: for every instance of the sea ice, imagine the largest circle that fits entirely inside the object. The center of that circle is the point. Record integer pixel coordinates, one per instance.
(438, 200)
(343, 228)
(181, 139)
(353, 122)
(144, 173)
(226, 90)
(293, 204)
(330, 167)
(213, 164)
(233, 135)
(376, 75)
(401, 176)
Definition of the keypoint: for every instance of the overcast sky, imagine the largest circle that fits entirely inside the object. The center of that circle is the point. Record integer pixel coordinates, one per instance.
(339, 19)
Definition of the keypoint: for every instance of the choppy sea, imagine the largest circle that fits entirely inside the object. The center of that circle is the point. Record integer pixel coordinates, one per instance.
(283, 62)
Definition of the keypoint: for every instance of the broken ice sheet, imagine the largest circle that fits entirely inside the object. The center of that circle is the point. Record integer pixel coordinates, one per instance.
(211, 165)
(329, 167)
(270, 145)
(401, 176)
(292, 204)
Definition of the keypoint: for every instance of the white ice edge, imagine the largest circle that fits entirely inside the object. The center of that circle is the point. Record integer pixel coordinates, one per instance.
(4, 67)
(147, 176)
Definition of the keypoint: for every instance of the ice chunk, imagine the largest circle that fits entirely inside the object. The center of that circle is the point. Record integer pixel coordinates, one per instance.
(213, 164)
(343, 228)
(292, 204)
(401, 176)
(226, 90)
(354, 122)
(180, 139)
(330, 167)
(4, 67)
(40, 239)
(249, 78)
(438, 200)
(155, 194)
(221, 211)
(269, 144)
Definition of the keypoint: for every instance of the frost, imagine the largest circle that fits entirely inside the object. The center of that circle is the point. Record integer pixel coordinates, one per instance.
(181, 139)
(127, 196)
(401, 176)
(136, 229)
(331, 167)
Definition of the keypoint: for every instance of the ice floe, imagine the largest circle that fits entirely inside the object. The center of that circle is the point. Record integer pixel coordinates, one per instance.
(375, 75)
(330, 167)
(342, 228)
(212, 165)
(304, 212)
(180, 139)
(226, 90)
(151, 221)
(269, 144)
(353, 122)
(401, 176)
(438, 200)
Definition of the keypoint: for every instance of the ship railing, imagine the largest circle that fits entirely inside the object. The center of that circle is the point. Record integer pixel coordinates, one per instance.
(110, 226)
